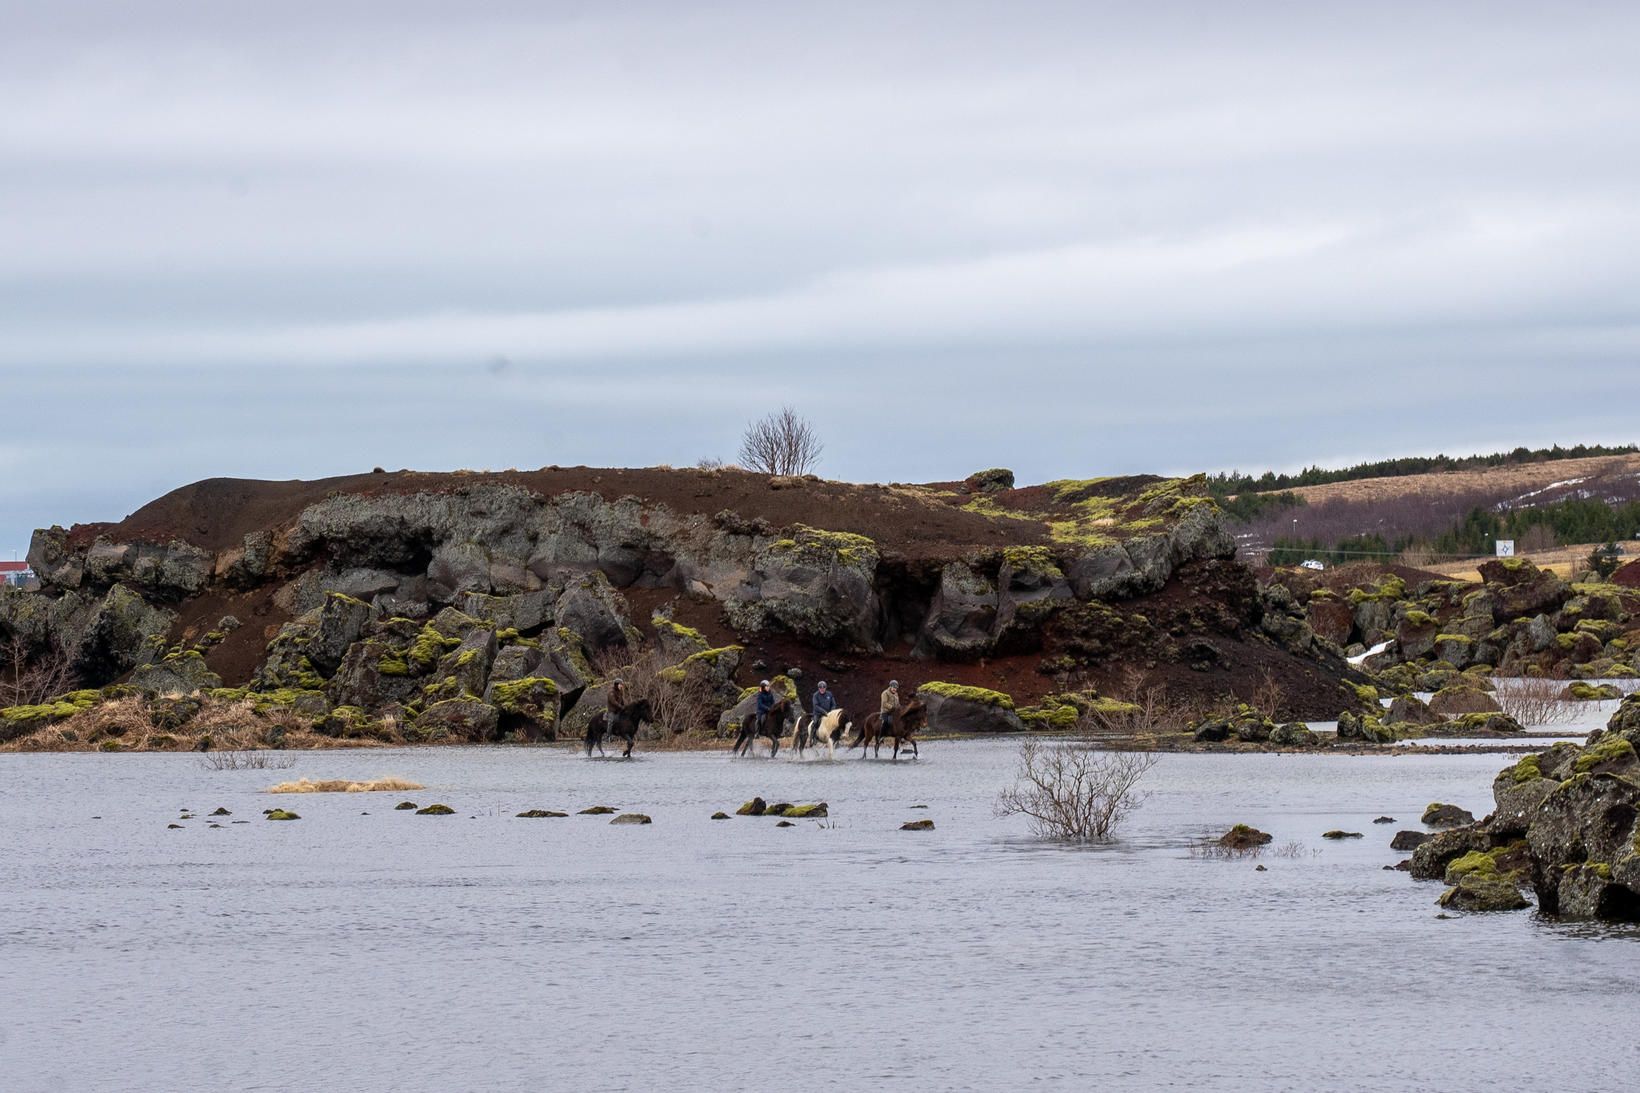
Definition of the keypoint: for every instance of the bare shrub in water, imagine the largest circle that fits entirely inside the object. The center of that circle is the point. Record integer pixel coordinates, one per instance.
(1535, 700)
(1074, 791)
(237, 759)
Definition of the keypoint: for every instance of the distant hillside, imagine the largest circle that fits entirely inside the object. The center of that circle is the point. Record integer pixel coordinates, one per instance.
(1456, 512)
(1233, 483)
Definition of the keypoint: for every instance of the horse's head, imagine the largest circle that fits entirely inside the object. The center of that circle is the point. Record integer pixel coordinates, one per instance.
(784, 712)
(914, 713)
(640, 711)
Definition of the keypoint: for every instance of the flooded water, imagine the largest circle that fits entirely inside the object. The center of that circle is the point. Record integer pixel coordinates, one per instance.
(362, 948)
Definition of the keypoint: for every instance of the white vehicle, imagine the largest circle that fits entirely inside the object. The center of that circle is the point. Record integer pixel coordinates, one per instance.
(1311, 563)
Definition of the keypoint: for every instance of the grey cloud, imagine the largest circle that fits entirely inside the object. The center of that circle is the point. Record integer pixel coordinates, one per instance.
(282, 240)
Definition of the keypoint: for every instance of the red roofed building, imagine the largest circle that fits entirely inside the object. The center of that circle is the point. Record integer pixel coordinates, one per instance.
(16, 573)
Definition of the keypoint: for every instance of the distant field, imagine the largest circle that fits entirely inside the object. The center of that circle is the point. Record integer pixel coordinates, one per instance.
(1562, 560)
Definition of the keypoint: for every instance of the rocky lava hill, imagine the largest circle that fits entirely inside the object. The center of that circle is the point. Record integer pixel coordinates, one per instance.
(482, 606)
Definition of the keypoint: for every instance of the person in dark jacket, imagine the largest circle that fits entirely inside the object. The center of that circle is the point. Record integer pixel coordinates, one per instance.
(765, 700)
(823, 701)
(616, 701)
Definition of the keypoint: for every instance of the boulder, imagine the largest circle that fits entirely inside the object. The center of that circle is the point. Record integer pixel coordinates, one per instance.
(1294, 735)
(962, 618)
(1243, 837)
(1580, 691)
(812, 584)
(341, 620)
(1444, 815)
(1408, 840)
(1431, 857)
(954, 708)
(178, 673)
(1519, 588)
(527, 706)
(457, 719)
(595, 612)
(1585, 859)
(1410, 710)
(1483, 892)
(1363, 729)
(1333, 620)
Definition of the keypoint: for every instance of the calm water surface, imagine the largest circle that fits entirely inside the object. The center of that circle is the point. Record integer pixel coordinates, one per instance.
(361, 948)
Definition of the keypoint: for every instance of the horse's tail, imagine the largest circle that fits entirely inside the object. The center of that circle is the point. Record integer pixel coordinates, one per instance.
(595, 725)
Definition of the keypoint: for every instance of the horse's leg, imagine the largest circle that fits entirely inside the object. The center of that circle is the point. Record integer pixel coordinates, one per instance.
(774, 741)
(633, 739)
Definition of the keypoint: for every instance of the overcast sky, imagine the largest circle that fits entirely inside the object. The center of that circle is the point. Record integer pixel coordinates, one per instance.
(1069, 238)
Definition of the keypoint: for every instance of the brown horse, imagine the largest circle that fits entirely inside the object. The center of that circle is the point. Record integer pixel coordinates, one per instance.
(907, 720)
(772, 725)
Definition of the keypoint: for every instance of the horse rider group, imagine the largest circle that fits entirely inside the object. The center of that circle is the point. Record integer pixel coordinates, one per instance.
(823, 701)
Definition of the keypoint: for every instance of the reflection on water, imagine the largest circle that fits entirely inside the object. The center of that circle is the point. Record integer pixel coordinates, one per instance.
(366, 948)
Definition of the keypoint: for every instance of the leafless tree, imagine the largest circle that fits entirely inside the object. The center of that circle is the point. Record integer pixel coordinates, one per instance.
(683, 701)
(1534, 700)
(1074, 791)
(781, 443)
(29, 675)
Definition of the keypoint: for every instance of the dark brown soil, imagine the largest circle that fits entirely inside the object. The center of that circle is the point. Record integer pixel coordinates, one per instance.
(219, 512)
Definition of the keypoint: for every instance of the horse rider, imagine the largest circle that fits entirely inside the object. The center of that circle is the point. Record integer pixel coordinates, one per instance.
(616, 699)
(823, 701)
(765, 701)
(890, 705)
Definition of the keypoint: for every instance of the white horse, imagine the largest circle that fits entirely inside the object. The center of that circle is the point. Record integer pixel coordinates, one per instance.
(828, 730)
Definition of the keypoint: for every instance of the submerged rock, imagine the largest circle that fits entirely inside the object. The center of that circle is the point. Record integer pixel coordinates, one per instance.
(406, 806)
(436, 810)
(596, 810)
(541, 814)
(282, 814)
(720, 815)
(1408, 840)
(631, 818)
(1335, 833)
(917, 825)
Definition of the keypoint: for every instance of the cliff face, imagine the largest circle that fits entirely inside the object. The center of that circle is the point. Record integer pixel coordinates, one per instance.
(410, 592)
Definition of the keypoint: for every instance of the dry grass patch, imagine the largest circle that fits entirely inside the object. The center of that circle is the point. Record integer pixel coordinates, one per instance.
(344, 785)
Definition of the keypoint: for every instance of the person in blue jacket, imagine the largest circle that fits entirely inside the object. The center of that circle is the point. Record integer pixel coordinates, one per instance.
(823, 701)
(765, 700)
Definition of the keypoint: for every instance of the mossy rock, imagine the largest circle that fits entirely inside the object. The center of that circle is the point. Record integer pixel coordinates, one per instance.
(406, 806)
(1244, 837)
(541, 814)
(597, 810)
(282, 814)
(221, 812)
(1445, 815)
(978, 695)
(436, 810)
(757, 806)
(1612, 751)
(720, 815)
(815, 811)
(1484, 892)
(917, 825)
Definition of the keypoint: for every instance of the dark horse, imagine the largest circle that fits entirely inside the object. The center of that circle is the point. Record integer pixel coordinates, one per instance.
(771, 724)
(907, 720)
(624, 724)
